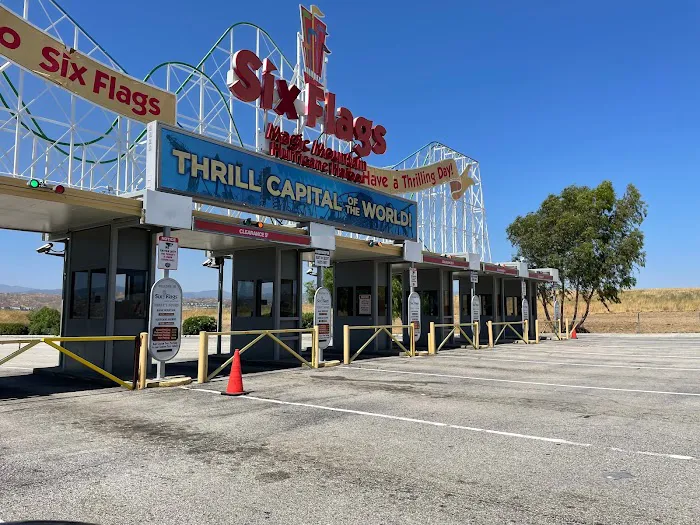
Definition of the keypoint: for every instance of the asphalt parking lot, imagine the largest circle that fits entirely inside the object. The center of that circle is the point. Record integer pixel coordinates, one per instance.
(599, 430)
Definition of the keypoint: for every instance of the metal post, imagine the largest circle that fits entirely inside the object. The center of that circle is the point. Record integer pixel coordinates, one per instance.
(489, 326)
(203, 362)
(526, 331)
(346, 344)
(220, 304)
(412, 334)
(160, 365)
(143, 360)
(638, 322)
(537, 331)
(476, 335)
(316, 357)
(431, 339)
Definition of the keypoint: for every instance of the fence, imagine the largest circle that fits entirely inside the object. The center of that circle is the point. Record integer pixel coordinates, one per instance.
(52, 342)
(508, 325)
(378, 329)
(456, 328)
(203, 362)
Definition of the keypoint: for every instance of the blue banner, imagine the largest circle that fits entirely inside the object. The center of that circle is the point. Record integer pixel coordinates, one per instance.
(227, 176)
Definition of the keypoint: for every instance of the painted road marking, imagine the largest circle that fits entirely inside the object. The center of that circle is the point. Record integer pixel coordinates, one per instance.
(491, 379)
(562, 363)
(558, 441)
(575, 352)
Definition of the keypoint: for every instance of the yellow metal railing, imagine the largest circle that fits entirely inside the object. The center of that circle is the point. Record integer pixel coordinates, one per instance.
(378, 329)
(203, 365)
(559, 330)
(508, 325)
(52, 342)
(455, 329)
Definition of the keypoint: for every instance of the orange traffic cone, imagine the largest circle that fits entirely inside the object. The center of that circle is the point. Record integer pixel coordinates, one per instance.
(573, 333)
(235, 380)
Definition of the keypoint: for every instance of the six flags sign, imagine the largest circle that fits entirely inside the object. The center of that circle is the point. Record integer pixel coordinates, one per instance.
(253, 79)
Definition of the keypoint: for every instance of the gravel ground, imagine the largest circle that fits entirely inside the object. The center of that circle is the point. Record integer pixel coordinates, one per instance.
(603, 429)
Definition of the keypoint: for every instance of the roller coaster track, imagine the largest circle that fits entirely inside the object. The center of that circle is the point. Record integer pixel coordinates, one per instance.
(444, 225)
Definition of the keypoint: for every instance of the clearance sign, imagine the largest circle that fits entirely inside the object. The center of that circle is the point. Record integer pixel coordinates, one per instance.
(37, 52)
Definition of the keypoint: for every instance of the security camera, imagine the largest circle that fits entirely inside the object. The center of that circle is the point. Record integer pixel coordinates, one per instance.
(310, 271)
(209, 262)
(46, 248)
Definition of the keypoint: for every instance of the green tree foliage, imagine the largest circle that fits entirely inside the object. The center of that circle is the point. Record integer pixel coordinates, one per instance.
(592, 237)
(198, 323)
(396, 295)
(307, 320)
(14, 329)
(310, 286)
(45, 321)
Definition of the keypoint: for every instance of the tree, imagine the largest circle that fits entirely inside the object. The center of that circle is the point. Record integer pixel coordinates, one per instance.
(396, 295)
(310, 286)
(592, 237)
(45, 321)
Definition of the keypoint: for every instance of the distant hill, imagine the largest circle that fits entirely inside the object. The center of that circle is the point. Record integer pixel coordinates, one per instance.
(7, 288)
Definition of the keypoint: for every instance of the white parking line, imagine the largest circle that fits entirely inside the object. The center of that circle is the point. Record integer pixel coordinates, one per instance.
(562, 363)
(605, 354)
(490, 379)
(558, 441)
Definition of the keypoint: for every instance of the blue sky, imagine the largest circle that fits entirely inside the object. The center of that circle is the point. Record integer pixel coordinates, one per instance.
(543, 94)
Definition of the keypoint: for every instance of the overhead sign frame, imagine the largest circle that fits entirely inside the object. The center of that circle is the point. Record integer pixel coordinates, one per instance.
(347, 205)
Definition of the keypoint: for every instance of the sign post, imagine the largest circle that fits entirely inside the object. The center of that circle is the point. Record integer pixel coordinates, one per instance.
(523, 288)
(414, 314)
(165, 320)
(322, 319)
(474, 277)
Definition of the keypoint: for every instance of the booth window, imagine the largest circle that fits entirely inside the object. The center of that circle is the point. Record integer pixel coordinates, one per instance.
(382, 300)
(266, 298)
(98, 294)
(486, 305)
(344, 301)
(245, 298)
(363, 300)
(131, 294)
(512, 306)
(80, 293)
(429, 303)
(288, 298)
(446, 303)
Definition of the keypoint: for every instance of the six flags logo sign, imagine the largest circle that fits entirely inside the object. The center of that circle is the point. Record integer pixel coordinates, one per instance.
(313, 34)
(319, 106)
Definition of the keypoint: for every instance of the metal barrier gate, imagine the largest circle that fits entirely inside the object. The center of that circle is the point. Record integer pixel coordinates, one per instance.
(378, 329)
(456, 329)
(556, 326)
(203, 362)
(52, 342)
(508, 324)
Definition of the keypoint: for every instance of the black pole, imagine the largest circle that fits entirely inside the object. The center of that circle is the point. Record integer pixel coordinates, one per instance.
(137, 352)
(220, 303)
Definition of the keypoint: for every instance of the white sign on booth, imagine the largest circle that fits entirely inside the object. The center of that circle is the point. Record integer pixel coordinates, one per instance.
(165, 319)
(523, 288)
(413, 277)
(414, 313)
(476, 309)
(474, 277)
(526, 310)
(322, 316)
(167, 252)
(322, 258)
(365, 301)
